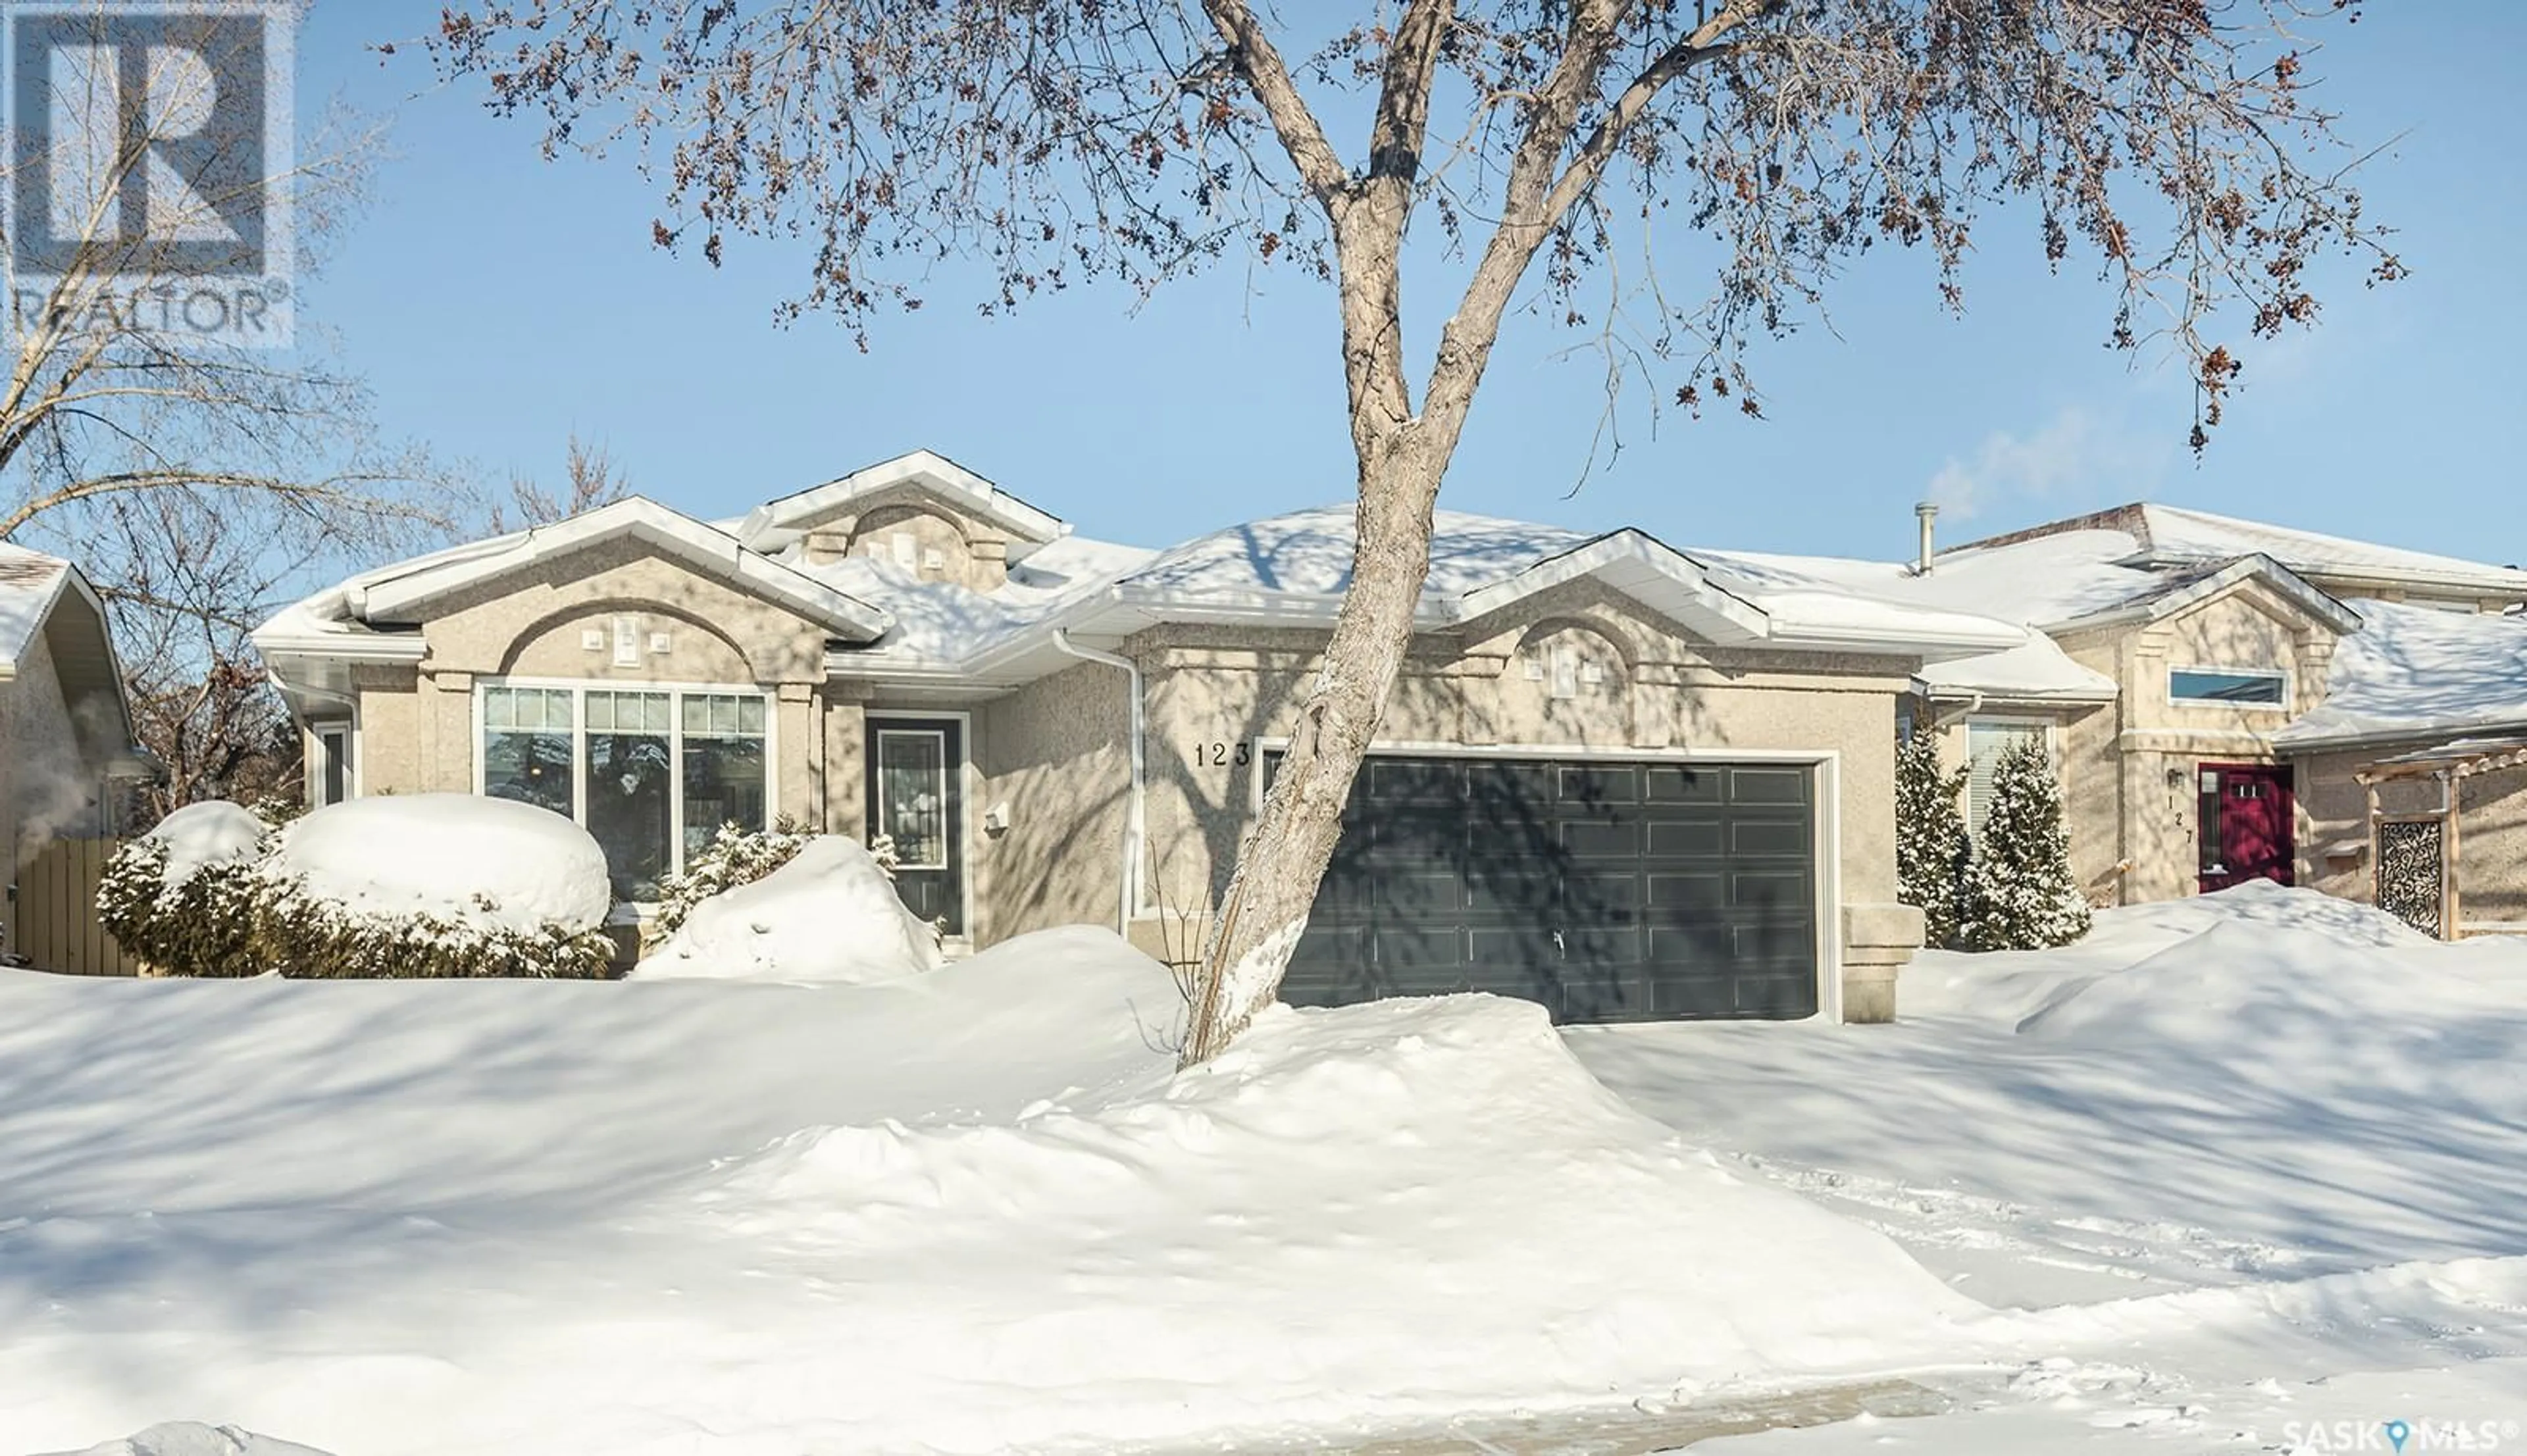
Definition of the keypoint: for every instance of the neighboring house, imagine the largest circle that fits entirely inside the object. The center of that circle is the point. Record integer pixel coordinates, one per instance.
(2228, 700)
(1619, 778)
(62, 717)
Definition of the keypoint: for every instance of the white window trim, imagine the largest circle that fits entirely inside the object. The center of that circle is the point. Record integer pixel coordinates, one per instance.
(313, 787)
(1826, 762)
(2281, 676)
(579, 688)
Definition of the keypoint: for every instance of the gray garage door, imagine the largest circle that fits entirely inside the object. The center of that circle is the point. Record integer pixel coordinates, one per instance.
(1606, 891)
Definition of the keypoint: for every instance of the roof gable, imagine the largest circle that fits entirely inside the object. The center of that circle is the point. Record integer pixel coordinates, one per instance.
(2172, 536)
(401, 593)
(768, 526)
(2185, 590)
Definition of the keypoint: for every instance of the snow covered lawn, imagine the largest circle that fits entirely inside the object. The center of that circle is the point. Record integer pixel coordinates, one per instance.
(971, 1211)
(2243, 1174)
(2222, 1148)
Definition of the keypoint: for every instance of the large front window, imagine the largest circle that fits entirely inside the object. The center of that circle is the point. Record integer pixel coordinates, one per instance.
(652, 773)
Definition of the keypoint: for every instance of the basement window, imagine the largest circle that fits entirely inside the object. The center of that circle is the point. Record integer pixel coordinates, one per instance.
(2253, 687)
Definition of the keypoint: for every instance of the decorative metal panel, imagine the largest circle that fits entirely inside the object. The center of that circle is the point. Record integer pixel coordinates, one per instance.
(2409, 873)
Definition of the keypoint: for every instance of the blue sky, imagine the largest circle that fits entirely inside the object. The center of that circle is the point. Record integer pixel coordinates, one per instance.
(498, 302)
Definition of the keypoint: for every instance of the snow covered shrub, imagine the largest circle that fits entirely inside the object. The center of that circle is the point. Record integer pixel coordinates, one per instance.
(2019, 891)
(734, 857)
(829, 915)
(182, 896)
(1930, 837)
(437, 885)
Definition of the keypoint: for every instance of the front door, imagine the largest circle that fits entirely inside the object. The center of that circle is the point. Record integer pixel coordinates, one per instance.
(917, 801)
(2247, 824)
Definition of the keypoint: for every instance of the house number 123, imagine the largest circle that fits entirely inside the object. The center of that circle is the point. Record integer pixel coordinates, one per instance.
(1222, 755)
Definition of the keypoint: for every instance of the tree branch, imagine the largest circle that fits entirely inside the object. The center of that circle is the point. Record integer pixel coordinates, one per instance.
(1267, 77)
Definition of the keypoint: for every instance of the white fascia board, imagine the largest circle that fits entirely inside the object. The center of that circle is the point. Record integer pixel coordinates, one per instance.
(2396, 735)
(342, 646)
(642, 519)
(945, 476)
(1641, 566)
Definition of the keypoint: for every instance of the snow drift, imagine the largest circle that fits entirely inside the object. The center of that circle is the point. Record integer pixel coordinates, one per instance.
(829, 915)
(969, 1210)
(490, 863)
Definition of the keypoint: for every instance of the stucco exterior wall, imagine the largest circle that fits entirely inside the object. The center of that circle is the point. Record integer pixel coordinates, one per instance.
(2128, 769)
(973, 552)
(1055, 753)
(416, 725)
(2491, 850)
(1213, 694)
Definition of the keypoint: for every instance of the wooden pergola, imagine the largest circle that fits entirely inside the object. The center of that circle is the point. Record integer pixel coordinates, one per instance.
(2449, 765)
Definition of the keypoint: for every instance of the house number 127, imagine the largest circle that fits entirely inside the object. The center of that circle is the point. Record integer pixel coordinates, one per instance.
(1223, 755)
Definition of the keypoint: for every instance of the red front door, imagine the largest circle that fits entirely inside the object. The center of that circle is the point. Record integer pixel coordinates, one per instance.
(2247, 824)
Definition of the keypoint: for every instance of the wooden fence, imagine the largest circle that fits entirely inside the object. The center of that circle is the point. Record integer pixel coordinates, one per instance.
(54, 921)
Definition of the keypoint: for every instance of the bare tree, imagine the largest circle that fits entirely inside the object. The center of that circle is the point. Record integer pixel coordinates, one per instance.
(155, 422)
(589, 479)
(1757, 144)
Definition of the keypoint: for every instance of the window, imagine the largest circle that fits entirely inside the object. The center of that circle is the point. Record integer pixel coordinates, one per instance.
(725, 770)
(652, 773)
(630, 788)
(1986, 743)
(529, 739)
(330, 779)
(912, 796)
(2250, 686)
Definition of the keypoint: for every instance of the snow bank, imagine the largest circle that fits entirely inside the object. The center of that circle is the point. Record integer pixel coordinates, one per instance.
(2006, 987)
(206, 833)
(829, 915)
(970, 1211)
(192, 1438)
(1415, 1207)
(494, 864)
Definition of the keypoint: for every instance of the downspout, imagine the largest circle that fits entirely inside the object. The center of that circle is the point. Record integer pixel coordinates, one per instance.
(1136, 813)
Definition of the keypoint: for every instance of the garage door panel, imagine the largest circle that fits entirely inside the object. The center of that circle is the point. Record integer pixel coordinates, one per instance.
(1585, 787)
(1410, 893)
(1768, 785)
(1684, 899)
(1600, 841)
(1398, 782)
(1762, 889)
(1606, 891)
(1587, 897)
(1401, 951)
(1688, 839)
(1663, 783)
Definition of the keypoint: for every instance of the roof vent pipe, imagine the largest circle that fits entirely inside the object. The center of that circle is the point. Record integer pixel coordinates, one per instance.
(1928, 515)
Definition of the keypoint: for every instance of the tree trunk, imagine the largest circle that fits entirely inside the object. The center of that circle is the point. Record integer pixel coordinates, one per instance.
(1265, 908)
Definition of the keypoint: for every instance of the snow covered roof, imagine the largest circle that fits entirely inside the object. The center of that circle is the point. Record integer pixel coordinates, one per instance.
(343, 622)
(30, 582)
(1297, 566)
(2417, 671)
(2172, 535)
(2033, 668)
(767, 526)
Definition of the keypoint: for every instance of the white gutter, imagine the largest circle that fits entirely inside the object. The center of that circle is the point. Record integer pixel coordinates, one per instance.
(1136, 828)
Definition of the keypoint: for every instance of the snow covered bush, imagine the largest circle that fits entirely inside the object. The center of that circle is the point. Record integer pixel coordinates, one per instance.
(2019, 891)
(449, 886)
(1930, 837)
(830, 914)
(182, 896)
(733, 858)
